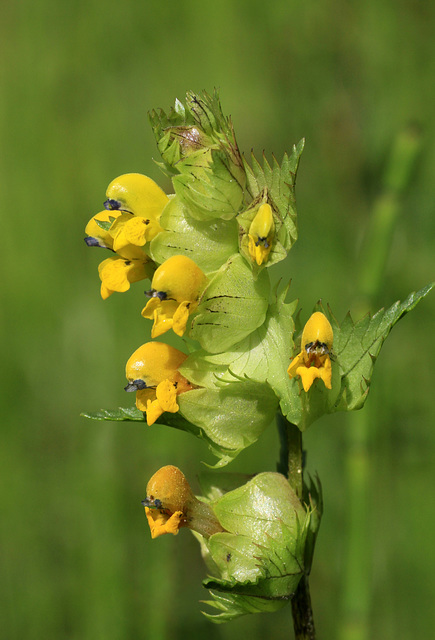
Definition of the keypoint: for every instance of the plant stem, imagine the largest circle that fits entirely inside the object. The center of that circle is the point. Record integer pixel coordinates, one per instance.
(291, 465)
(303, 622)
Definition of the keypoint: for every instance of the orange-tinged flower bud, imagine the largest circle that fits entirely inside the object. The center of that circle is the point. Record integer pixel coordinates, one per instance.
(170, 504)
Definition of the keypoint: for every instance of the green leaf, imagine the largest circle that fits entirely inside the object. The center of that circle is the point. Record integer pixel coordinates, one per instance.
(231, 606)
(104, 224)
(209, 243)
(355, 350)
(208, 189)
(279, 183)
(231, 307)
(357, 346)
(263, 356)
(128, 414)
(230, 418)
(190, 131)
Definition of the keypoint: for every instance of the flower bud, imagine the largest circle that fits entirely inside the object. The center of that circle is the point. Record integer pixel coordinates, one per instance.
(198, 145)
(261, 234)
(170, 505)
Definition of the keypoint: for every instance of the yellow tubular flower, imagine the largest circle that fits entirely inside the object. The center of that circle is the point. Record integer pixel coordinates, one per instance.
(170, 505)
(175, 290)
(116, 274)
(152, 371)
(138, 194)
(314, 360)
(261, 234)
(141, 202)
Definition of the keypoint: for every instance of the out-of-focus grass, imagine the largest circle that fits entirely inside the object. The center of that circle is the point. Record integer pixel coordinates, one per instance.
(77, 80)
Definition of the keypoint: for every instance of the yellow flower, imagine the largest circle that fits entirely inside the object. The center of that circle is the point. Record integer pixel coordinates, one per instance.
(152, 371)
(170, 505)
(116, 274)
(261, 234)
(314, 361)
(176, 287)
(137, 194)
(131, 219)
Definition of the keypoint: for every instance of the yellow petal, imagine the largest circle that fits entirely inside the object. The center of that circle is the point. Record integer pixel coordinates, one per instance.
(139, 195)
(317, 329)
(143, 396)
(180, 278)
(154, 410)
(308, 375)
(162, 312)
(160, 523)
(93, 229)
(132, 230)
(166, 394)
(262, 225)
(154, 362)
(105, 292)
(294, 364)
(116, 274)
(181, 317)
(326, 372)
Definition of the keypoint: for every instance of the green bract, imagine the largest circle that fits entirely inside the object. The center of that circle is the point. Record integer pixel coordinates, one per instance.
(259, 559)
(231, 307)
(208, 243)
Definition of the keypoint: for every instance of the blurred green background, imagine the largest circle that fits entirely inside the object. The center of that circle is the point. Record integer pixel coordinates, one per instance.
(77, 81)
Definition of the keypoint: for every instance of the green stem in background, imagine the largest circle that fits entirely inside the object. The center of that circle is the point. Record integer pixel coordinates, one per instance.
(291, 465)
(355, 609)
(385, 212)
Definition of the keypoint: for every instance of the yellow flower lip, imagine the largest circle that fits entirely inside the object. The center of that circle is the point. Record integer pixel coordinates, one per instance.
(314, 360)
(116, 274)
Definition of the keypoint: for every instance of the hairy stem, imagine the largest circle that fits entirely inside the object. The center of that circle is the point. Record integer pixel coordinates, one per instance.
(291, 464)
